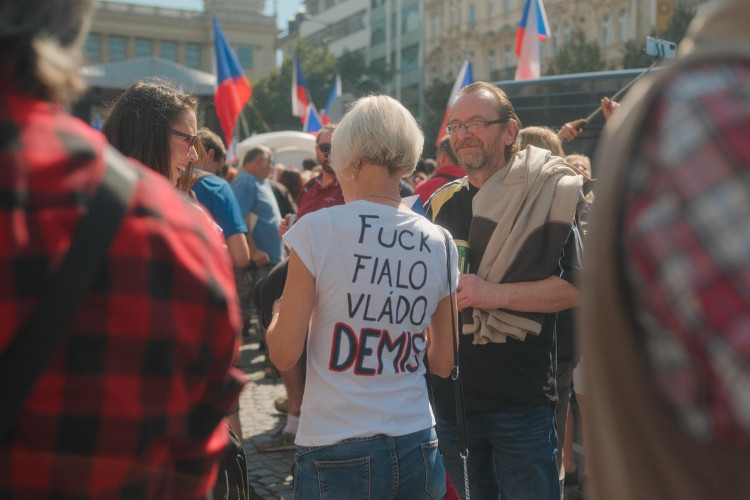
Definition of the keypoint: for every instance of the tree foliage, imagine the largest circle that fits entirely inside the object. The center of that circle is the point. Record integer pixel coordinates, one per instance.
(577, 56)
(634, 55)
(435, 101)
(635, 52)
(359, 78)
(272, 95)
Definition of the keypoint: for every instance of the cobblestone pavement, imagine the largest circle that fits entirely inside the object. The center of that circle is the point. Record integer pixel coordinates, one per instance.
(270, 473)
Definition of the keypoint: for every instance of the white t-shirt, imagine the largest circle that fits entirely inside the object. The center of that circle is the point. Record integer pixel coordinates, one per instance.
(379, 275)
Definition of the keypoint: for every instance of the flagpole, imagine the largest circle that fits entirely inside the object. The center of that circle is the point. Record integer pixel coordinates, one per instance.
(257, 113)
(243, 123)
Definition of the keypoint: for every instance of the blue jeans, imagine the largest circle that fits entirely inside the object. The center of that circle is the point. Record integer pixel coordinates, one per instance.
(406, 467)
(511, 454)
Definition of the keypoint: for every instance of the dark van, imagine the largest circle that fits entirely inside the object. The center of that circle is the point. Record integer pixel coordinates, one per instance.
(555, 100)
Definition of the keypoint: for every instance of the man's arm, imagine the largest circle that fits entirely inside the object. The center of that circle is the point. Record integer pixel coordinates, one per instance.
(549, 295)
(552, 294)
(256, 254)
(238, 250)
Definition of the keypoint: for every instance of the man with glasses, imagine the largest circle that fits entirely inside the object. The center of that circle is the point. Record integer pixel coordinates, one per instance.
(323, 190)
(517, 211)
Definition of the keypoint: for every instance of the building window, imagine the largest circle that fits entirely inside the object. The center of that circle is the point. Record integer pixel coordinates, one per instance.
(622, 26)
(143, 47)
(506, 5)
(507, 60)
(329, 4)
(116, 48)
(377, 35)
(606, 35)
(93, 47)
(490, 64)
(168, 50)
(435, 26)
(410, 19)
(472, 20)
(312, 7)
(245, 56)
(566, 34)
(410, 58)
(192, 55)
(490, 8)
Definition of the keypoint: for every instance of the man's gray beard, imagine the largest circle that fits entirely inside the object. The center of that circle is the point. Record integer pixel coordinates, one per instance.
(476, 161)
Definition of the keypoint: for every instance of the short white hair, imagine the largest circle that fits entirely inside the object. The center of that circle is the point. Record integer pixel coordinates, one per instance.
(378, 129)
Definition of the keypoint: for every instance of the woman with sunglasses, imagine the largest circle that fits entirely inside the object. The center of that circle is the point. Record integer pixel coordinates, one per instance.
(156, 124)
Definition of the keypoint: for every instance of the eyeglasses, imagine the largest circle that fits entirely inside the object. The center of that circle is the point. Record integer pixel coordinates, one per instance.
(471, 126)
(324, 148)
(189, 139)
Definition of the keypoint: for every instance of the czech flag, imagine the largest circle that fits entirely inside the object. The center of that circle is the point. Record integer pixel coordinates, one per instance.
(464, 78)
(313, 122)
(533, 29)
(299, 91)
(415, 203)
(335, 92)
(232, 86)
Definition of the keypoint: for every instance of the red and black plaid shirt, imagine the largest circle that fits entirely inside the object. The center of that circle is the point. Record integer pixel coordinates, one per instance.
(686, 232)
(131, 404)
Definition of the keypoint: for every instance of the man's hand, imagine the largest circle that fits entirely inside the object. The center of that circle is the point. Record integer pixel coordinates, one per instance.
(552, 294)
(473, 291)
(608, 107)
(283, 227)
(570, 130)
(260, 257)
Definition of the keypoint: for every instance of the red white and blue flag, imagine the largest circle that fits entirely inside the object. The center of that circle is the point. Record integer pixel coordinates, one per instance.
(313, 121)
(464, 78)
(232, 86)
(335, 92)
(299, 91)
(532, 30)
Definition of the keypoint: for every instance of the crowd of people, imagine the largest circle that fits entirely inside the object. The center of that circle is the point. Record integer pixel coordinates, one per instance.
(429, 355)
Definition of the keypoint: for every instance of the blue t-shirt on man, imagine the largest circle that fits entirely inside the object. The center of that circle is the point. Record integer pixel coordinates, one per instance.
(256, 196)
(214, 193)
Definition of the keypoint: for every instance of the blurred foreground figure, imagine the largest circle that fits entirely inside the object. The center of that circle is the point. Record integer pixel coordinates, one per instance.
(131, 402)
(666, 308)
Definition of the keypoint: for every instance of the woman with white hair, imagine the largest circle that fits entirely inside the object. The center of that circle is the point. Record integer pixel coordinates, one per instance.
(370, 281)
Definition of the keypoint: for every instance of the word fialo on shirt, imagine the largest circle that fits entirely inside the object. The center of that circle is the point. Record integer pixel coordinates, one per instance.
(373, 349)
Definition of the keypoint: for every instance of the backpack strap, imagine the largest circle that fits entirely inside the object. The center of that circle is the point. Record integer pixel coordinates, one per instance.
(37, 340)
(308, 186)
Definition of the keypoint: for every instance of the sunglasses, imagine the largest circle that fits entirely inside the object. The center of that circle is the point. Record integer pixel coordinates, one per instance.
(189, 139)
(324, 148)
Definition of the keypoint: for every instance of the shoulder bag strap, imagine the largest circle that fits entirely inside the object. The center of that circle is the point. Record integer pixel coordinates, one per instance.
(463, 448)
(36, 342)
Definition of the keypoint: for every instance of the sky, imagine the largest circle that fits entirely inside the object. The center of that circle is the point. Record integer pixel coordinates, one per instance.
(286, 8)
